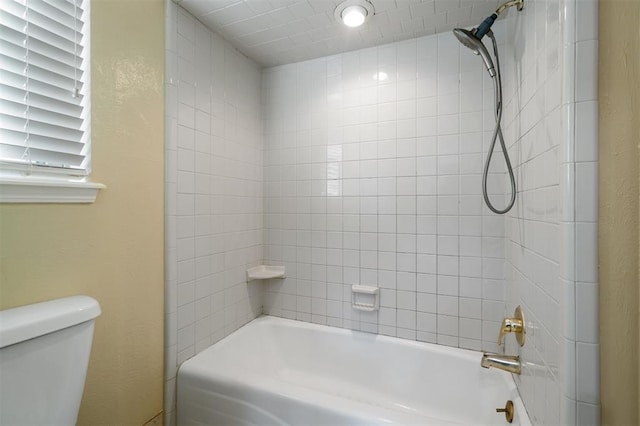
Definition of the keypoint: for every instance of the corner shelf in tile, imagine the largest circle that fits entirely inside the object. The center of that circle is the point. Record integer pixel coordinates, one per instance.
(265, 272)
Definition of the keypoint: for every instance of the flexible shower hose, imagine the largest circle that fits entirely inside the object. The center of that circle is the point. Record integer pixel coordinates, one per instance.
(497, 134)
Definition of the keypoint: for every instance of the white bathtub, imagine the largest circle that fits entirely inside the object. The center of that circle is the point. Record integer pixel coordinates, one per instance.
(275, 371)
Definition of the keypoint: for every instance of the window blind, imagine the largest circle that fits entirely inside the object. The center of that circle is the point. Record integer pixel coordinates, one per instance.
(44, 86)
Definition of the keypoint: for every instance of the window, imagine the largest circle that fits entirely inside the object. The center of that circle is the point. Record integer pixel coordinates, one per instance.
(45, 134)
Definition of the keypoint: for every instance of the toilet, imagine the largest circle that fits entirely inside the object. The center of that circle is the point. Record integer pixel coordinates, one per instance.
(44, 355)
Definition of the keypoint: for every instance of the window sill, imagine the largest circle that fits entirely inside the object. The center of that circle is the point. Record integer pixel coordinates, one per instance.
(40, 190)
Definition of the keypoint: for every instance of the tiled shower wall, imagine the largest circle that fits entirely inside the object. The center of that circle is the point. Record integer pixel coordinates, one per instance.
(551, 270)
(213, 191)
(373, 163)
(372, 171)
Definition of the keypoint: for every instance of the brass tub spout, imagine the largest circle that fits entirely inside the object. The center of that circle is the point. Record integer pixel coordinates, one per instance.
(508, 363)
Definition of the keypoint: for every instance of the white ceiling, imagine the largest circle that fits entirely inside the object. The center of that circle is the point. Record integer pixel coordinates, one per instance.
(276, 32)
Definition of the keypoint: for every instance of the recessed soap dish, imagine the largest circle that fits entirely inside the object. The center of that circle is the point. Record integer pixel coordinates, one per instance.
(265, 272)
(365, 298)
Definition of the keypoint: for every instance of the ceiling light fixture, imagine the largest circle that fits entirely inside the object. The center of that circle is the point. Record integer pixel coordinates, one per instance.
(354, 16)
(353, 13)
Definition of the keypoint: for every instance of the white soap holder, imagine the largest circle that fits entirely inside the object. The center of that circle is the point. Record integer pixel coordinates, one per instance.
(265, 272)
(365, 298)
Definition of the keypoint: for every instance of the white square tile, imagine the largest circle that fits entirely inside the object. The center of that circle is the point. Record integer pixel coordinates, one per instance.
(426, 264)
(426, 322)
(470, 308)
(586, 20)
(448, 285)
(448, 245)
(587, 362)
(588, 414)
(448, 265)
(586, 128)
(448, 305)
(587, 326)
(586, 71)
(470, 328)
(586, 200)
(406, 319)
(447, 325)
(586, 252)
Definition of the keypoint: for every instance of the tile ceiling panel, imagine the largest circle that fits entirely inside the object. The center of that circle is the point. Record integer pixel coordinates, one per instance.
(276, 32)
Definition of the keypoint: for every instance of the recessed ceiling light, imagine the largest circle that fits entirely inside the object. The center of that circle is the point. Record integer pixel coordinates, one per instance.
(354, 16)
(353, 13)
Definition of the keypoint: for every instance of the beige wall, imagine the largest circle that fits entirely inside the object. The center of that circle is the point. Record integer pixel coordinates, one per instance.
(619, 94)
(112, 249)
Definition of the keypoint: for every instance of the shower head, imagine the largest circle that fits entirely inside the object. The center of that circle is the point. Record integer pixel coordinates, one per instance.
(473, 39)
(469, 39)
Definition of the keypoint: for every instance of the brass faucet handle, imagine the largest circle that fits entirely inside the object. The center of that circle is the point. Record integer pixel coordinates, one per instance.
(507, 410)
(509, 325)
(513, 325)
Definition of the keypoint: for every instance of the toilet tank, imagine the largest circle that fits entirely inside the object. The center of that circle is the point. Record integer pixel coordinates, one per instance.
(44, 354)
